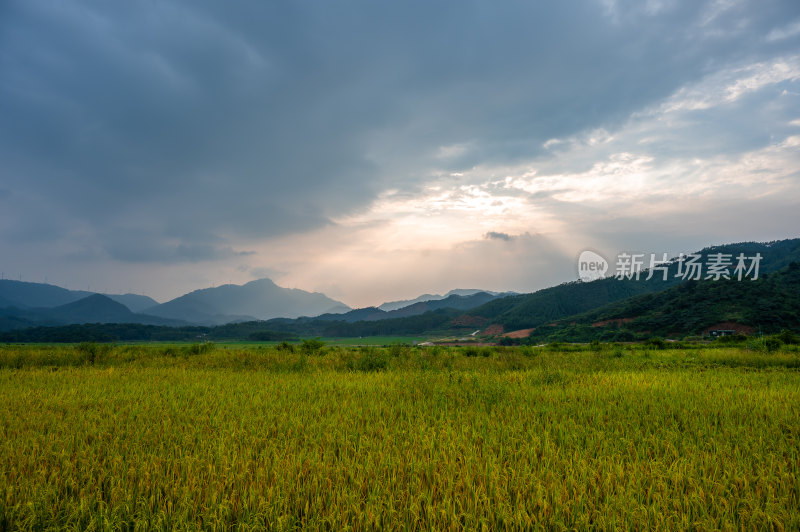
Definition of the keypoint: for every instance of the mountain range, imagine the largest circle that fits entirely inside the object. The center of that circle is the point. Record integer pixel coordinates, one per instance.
(607, 308)
(24, 304)
(31, 295)
(428, 298)
(555, 308)
(257, 300)
(454, 300)
(94, 308)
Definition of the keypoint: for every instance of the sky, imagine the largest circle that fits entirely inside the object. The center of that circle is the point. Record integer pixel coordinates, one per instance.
(375, 151)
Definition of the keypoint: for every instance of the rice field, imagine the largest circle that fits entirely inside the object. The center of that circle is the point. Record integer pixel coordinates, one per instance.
(334, 438)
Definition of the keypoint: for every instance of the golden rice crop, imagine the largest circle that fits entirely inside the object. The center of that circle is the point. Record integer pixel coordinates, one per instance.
(254, 438)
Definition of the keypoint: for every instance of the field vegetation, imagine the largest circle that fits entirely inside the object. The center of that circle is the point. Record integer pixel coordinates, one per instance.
(309, 435)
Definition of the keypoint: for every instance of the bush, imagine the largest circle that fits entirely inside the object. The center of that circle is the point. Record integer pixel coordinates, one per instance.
(396, 350)
(527, 351)
(624, 336)
(655, 343)
(788, 337)
(772, 344)
(312, 346)
(475, 351)
(768, 344)
(470, 351)
(732, 339)
(285, 346)
(92, 352)
(372, 360)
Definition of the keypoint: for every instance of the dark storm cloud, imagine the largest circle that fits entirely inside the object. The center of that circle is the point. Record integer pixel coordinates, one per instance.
(136, 245)
(195, 123)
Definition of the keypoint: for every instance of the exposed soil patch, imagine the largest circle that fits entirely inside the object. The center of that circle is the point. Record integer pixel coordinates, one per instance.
(521, 333)
(493, 330)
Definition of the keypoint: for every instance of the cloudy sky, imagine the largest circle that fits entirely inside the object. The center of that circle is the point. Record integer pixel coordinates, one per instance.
(379, 150)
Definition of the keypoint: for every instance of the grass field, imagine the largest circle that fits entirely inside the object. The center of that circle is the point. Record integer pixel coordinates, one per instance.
(201, 436)
(356, 341)
(375, 340)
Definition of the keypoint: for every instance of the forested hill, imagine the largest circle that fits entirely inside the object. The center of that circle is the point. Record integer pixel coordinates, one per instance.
(551, 304)
(768, 305)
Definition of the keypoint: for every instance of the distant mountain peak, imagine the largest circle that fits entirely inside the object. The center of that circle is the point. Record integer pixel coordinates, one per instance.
(396, 305)
(466, 292)
(258, 299)
(95, 308)
(257, 282)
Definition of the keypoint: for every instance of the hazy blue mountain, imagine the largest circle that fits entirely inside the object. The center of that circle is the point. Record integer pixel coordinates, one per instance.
(359, 314)
(338, 309)
(13, 317)
(12, 322)
(261, 299)
(94, 308)
(24, 294)
(453, 301)
(135, 302)
(473, 291)
(396, 305)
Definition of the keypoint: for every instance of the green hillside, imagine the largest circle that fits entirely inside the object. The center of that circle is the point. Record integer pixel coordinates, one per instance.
(769, 304)
(551, 304)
